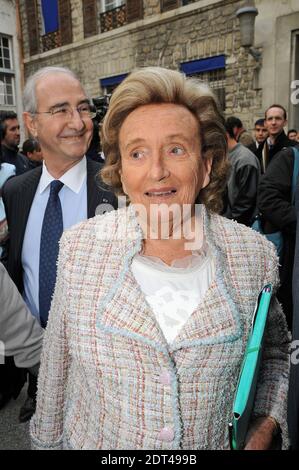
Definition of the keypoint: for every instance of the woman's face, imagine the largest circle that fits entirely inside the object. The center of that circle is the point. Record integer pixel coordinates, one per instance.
(161, 159)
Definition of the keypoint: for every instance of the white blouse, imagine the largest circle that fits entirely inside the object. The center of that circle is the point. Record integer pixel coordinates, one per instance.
(175, 291)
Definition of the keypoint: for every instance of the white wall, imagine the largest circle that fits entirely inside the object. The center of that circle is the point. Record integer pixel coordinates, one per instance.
(273, 30)
(8, 27)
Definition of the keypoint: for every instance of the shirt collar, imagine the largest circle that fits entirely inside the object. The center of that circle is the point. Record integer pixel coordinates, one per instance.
(73, 178)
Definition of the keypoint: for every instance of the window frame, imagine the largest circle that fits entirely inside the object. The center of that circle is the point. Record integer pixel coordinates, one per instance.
(116, 3)
(202, 68)
(8, 74)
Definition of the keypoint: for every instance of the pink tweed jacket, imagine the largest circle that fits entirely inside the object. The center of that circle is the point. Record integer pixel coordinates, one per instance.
(108, 378)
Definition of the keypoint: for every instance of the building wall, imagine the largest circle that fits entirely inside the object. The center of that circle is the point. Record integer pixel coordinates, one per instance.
(276, 21)
(202, 29)
(8, 27)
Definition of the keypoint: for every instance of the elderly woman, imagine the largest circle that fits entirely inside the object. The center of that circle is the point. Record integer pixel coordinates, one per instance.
(152, 308)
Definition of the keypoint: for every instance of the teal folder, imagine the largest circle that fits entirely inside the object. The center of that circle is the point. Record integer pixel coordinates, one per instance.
(246, 388)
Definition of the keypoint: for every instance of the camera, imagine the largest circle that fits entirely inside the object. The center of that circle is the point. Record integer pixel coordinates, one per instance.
(101, 104)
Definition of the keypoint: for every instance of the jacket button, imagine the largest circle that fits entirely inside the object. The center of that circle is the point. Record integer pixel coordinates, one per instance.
(166, 434)
(165, 377)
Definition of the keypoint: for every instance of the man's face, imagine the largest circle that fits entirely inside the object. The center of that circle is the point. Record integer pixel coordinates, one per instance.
(292, 136)
(64, 138)
(12, 134)
(275, 121)
(261, 133)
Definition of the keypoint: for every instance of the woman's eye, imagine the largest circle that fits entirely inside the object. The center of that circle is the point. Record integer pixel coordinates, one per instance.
(136, 154)
(177, 150)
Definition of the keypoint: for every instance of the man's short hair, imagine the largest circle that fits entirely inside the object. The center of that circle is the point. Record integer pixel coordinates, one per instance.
(291, 131)
(277, 106)
(29, 93)
(233, 121)
(4, 115)
(230, 124)
(30, 145)
(259, 122)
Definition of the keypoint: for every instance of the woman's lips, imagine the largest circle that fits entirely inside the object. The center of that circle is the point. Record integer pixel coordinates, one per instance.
(166, 192)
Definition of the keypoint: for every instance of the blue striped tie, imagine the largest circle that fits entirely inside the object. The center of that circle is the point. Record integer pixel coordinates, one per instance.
(52, 229)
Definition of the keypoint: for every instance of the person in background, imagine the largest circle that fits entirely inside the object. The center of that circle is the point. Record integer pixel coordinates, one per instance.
(152, 311)
(31, 149)
(10, 138)
(258, 147)
(20, 336)
(275, 121)
(240, 134)
(278, 214)
(94, 150)
(292, 135)
(6, 171)
(243, 180)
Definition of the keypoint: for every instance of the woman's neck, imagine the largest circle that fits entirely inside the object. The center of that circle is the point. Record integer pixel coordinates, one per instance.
(167, 250)
(172, 248)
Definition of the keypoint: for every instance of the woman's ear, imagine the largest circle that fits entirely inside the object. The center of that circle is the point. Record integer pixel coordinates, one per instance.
(207, 168)
(122, 182)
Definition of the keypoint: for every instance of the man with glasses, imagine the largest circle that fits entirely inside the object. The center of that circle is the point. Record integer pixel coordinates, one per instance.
(49, 199)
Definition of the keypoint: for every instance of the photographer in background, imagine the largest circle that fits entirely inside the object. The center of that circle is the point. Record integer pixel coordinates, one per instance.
(94, 151)
(10, 139)
(33, 153)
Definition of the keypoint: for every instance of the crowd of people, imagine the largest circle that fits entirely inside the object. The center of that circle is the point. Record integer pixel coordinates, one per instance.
(129, 283)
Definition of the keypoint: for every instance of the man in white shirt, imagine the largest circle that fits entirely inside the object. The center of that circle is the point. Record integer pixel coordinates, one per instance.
(59, 115)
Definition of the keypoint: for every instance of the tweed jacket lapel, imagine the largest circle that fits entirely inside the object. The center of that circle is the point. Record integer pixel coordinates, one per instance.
(216, 319)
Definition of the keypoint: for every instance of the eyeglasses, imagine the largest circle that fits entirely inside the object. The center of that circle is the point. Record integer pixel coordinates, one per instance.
(66, 112)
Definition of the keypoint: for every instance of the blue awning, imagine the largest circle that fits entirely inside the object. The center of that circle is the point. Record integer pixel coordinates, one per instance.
(203, 65)
(50, 15)
(110, 81)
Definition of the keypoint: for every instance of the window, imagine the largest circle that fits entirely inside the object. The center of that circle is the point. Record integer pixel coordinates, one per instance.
(113, 14)
(216, 81)
(107, 5)
(167, 5)
(7, 97)
(210, 70)
(4, 54)
(109, 84)
(6, 90)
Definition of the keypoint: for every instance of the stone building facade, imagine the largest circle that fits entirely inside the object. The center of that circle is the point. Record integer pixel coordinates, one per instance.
(103, 40)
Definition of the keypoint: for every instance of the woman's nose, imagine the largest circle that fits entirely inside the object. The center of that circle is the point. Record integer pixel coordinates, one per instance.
(159, 169)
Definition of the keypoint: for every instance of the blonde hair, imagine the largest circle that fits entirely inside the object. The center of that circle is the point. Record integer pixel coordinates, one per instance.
(158, 85)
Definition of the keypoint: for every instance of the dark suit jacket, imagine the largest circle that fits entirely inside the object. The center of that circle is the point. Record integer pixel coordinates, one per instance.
(18, 194)
(256, 150)
(281, 142)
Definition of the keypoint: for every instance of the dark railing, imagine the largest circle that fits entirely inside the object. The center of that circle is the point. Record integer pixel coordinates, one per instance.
(113, 19)
(51, 41)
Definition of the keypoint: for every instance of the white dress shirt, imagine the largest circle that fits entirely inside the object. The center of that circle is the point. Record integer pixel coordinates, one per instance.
(73, 198)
